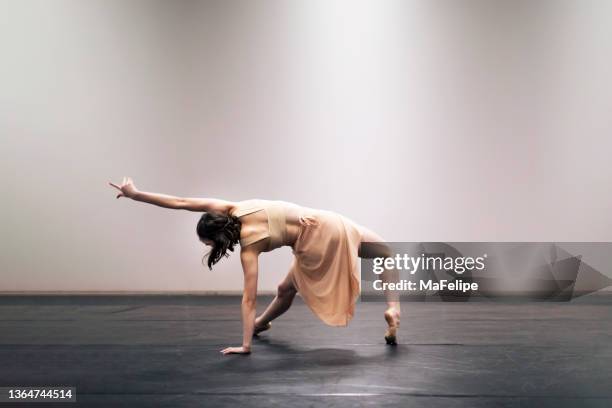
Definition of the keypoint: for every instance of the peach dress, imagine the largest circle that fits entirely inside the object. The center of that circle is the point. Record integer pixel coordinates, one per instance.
(325, 267)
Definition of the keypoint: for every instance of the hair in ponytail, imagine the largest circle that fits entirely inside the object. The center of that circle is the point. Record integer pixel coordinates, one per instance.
(223, 230)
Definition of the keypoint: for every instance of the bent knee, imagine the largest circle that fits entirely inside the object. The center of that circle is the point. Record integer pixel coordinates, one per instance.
(284, 290)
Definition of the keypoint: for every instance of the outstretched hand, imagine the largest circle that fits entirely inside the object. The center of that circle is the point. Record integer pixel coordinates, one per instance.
(127, 188)
(236, 350)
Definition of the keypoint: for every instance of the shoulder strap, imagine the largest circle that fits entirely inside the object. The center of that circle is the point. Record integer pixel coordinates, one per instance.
(246, 211)
(246, 208)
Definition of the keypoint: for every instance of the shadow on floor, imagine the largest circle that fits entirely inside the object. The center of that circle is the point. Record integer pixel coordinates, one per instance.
(280, 355)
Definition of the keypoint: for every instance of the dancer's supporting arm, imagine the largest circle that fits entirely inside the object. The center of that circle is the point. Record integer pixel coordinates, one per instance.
(248, 258)
(127, 189)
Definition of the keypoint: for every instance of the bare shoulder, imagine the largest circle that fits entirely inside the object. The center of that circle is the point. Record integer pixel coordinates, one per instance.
(249, 254)
(217, 205)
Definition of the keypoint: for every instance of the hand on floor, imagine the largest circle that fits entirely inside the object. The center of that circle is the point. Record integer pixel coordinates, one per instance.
(236, 350)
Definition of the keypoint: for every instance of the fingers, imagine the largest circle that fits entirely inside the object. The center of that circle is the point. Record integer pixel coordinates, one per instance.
(118, 188)
(126, 180)
(233, 350)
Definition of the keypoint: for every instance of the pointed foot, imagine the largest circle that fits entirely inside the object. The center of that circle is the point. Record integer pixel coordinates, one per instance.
(392, 316)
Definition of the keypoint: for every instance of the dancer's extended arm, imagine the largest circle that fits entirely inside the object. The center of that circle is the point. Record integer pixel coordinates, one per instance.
(249, 260)
(127, 189)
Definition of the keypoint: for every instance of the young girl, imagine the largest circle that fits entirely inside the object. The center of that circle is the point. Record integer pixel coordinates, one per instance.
(326, 248)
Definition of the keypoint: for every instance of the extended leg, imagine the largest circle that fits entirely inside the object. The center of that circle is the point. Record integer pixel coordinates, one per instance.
(282, 301)
(392, 314)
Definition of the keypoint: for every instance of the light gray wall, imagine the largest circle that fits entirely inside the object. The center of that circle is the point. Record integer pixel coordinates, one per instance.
(424, 120)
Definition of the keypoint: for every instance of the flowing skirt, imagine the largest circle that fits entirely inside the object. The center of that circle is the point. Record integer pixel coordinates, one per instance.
(325, 268)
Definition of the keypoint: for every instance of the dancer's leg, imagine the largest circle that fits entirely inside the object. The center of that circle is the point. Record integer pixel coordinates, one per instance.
(281, 303)
(392, 314)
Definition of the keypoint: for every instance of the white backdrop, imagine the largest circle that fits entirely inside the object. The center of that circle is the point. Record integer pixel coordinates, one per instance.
(423, 120)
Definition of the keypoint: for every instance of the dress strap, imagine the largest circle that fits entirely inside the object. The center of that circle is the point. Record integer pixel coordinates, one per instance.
(246, 211)
(246, 208)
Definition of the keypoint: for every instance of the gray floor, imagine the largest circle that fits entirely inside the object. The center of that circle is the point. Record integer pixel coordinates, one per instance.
(163, 351)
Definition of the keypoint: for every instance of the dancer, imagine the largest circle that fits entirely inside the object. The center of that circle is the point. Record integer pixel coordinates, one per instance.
(326, 248)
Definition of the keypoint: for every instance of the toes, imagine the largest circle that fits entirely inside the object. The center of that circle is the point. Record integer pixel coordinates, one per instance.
(391, 340)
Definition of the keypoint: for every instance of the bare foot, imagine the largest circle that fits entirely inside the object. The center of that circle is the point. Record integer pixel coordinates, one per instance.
(392, 316)
(259, 329)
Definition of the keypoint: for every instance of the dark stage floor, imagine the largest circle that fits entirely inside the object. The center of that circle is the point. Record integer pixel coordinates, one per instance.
(163, 351)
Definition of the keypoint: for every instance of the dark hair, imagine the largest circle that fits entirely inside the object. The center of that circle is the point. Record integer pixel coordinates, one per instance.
(223, 230)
